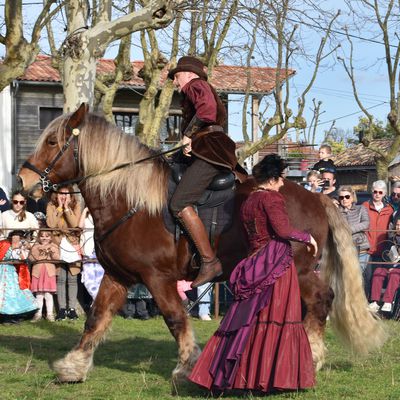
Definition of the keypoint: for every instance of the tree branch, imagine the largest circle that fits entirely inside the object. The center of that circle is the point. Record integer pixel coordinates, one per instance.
(157, 14)
(350, 73)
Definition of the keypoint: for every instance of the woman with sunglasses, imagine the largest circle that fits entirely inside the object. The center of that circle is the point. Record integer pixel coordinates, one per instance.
(18, 218)
(358, 219)
(380, 213)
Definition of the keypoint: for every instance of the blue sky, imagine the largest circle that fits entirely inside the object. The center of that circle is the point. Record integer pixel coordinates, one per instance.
(333, 87)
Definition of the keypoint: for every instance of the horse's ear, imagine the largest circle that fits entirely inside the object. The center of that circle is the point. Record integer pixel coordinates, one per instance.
(77, 117)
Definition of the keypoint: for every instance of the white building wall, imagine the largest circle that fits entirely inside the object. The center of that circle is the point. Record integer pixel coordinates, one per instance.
(6, 151)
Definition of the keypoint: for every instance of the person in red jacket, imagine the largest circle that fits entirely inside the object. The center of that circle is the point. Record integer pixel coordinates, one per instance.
(210, 151)
(380, 213)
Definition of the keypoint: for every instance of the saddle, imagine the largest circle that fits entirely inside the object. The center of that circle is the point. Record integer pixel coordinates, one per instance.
(215, 207)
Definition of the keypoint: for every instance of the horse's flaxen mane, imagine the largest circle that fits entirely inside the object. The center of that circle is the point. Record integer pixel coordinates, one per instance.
(103, 146)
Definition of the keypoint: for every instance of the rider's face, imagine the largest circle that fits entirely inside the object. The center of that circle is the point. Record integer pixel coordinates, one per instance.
(182, 78)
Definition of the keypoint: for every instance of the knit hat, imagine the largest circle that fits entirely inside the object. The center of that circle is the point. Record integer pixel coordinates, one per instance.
(188, 64)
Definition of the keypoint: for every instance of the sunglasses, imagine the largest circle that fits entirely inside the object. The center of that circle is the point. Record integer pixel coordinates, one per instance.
(396, 195)
(22, 202)
(346, 196)
(378, 192)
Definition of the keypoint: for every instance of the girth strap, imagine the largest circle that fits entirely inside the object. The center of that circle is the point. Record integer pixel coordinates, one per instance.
(113, 227)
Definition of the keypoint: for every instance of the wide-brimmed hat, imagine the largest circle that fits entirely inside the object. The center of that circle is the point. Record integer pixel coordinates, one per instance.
(188, 64)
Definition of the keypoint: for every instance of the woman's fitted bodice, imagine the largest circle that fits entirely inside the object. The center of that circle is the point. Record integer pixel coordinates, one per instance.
(264, 217)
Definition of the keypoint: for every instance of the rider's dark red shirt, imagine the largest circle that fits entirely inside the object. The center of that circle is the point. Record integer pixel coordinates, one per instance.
(200, 95)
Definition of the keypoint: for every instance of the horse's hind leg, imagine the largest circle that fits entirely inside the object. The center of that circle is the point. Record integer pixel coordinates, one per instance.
(317, 299)
(171, 307)
(76, 364)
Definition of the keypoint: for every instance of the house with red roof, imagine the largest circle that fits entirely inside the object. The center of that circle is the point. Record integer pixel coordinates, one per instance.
(36, 98)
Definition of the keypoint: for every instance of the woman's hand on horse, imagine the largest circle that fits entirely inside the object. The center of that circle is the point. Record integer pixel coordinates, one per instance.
(188, 148)
(312, 246)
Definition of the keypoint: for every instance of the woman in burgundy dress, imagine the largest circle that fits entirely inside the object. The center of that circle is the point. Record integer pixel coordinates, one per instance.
(261, 343)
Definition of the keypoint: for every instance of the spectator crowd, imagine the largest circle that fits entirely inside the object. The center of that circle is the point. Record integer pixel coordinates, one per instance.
(49, 270)
(48, 264)
(374, 225)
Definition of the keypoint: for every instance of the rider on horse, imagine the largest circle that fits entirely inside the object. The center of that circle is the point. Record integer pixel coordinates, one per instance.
(211, 151)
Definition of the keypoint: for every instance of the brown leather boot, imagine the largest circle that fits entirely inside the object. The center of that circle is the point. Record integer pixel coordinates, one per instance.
(210, 264)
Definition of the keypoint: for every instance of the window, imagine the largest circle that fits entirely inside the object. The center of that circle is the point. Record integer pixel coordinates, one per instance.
(170, 130)
(126, 121)
(47, 114)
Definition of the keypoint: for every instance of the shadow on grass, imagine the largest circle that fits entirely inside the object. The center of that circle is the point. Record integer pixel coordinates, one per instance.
(128, 355)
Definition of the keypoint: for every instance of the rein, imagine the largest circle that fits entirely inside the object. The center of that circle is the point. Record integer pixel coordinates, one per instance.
(46, 183)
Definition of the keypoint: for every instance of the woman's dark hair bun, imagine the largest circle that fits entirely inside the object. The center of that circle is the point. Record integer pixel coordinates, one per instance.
(270, 167)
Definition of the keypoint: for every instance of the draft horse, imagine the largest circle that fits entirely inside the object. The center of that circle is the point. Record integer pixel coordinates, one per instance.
(133, 244)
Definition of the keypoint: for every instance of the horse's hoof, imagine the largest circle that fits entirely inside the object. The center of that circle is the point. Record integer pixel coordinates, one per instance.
(73, 368)
(180, 375)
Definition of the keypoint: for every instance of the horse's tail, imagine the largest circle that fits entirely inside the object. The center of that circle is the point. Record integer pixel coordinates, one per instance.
(356, 325)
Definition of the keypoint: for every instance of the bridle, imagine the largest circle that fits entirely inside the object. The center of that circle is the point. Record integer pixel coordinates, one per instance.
(46, 183)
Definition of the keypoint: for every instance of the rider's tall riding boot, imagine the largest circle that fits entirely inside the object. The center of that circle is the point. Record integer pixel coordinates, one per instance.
(210, 264)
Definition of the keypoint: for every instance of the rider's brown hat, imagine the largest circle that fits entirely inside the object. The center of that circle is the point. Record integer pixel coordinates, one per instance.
(188, 64)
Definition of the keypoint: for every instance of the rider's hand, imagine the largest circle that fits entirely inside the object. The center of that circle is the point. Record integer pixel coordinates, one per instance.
(188, 148)
(312, 246)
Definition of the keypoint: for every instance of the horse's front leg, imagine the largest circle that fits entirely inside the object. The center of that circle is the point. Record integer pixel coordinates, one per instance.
(317, 298)
(170, 304)
(76, 364)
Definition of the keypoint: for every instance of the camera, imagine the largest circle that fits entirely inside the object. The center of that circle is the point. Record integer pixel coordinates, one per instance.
(325, 183)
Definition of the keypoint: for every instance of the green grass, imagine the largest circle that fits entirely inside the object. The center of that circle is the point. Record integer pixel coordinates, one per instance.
(138, 357)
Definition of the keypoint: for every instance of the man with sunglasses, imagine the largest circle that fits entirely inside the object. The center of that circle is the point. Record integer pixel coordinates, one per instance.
(380, 214)
(395, 197)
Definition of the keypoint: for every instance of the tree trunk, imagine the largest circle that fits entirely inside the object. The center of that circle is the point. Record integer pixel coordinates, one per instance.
(13, 67)
(382, 166)
(78, 77)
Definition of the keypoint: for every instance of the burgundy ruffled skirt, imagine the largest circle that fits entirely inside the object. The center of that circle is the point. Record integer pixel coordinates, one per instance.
(269, 349)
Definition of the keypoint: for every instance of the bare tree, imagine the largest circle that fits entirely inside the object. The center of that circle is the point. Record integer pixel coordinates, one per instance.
(85, 44)
(107, 84)
(205, 40)
(381, 17)
(20, 52)
(283, 34)
(310, 134)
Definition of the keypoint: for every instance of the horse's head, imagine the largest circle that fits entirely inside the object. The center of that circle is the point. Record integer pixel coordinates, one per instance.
(55, 159)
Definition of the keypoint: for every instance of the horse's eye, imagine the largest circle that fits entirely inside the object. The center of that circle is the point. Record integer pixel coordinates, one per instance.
(52, 141)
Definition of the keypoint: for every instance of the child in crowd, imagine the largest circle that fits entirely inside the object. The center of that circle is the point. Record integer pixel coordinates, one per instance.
(139, 303)
(15, 302)
(325, 163)
(314, 182)
(44, 283)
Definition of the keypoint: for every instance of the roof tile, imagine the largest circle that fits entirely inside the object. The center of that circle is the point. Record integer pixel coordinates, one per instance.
(225, 78)
(359, 155)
